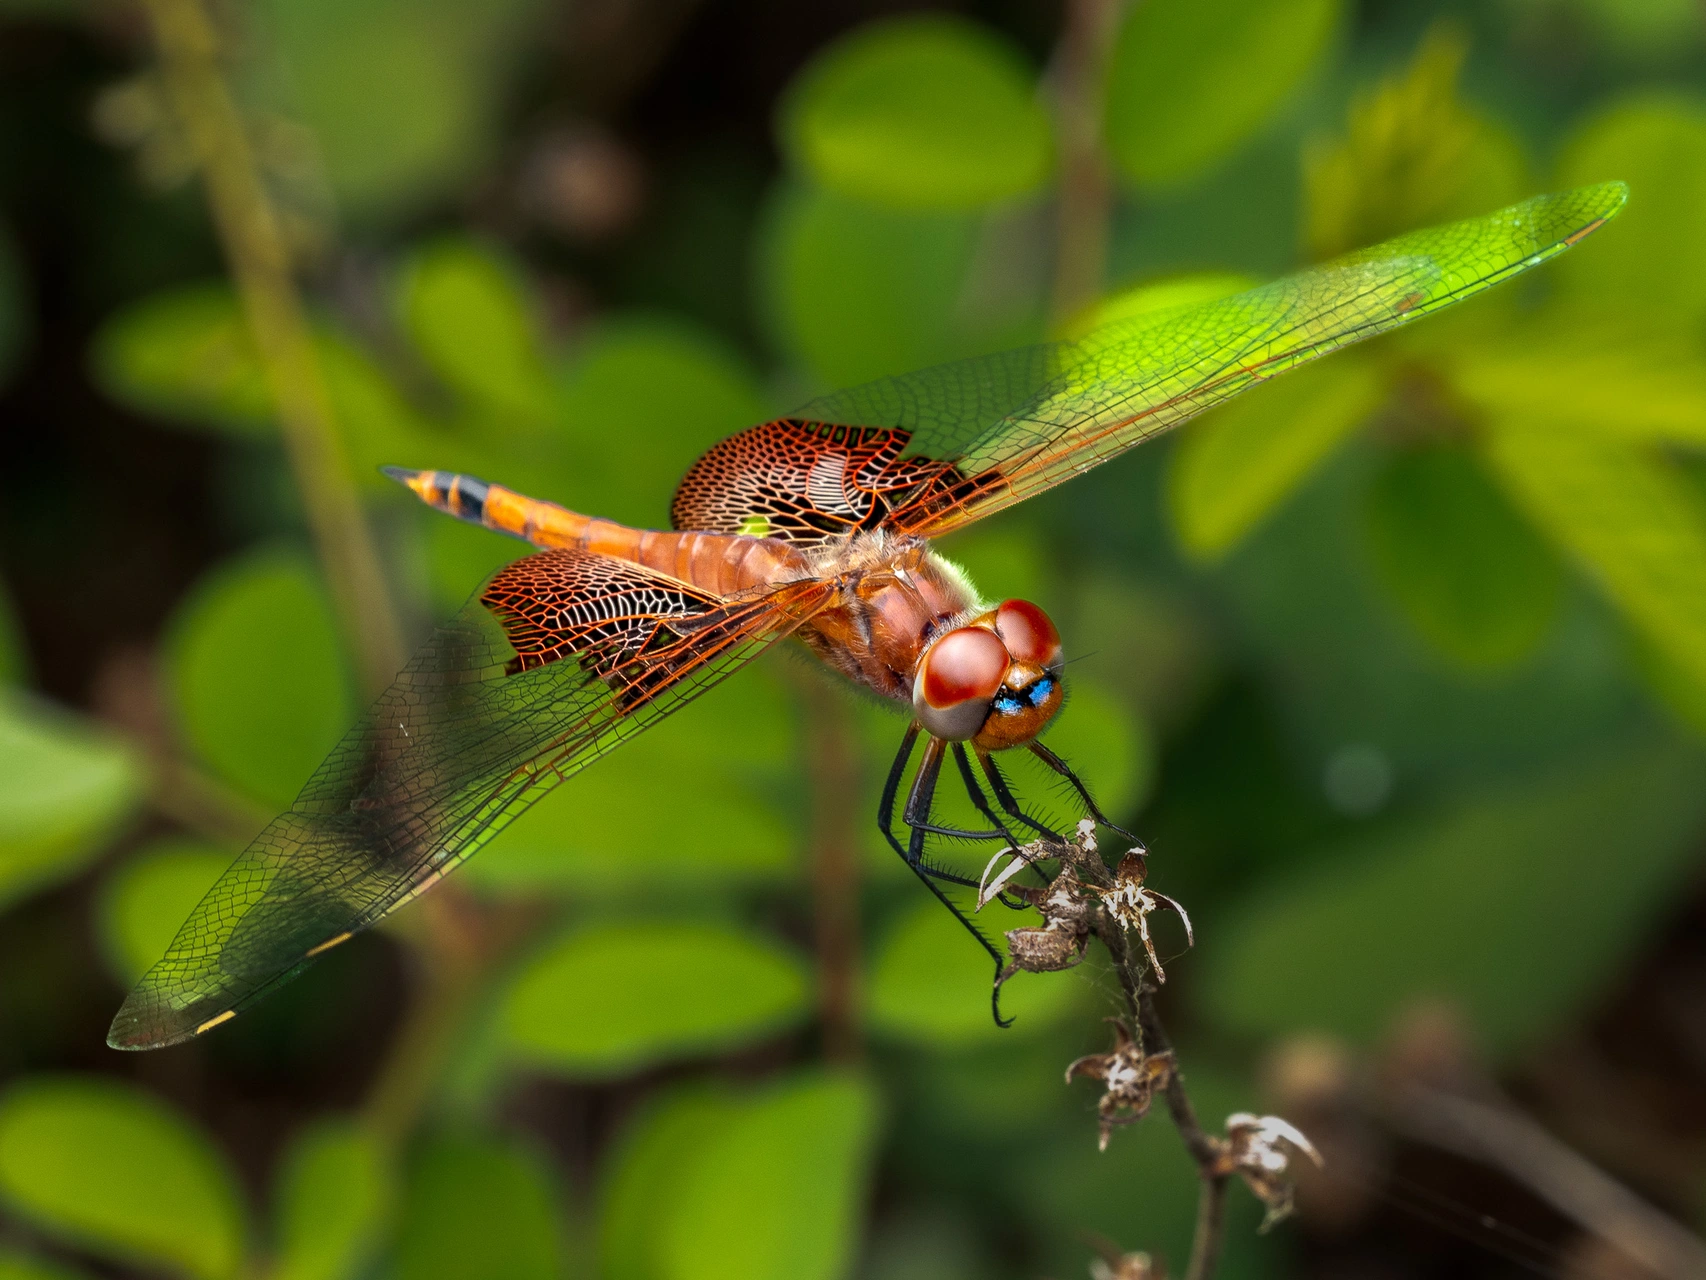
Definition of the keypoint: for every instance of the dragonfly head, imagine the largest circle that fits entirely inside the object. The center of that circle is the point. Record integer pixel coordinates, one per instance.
(995, 682)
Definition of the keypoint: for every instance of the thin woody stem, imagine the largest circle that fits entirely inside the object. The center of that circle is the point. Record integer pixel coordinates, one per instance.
(1151, 1034)
(1085, 199)
(259, 260)
(831, 767)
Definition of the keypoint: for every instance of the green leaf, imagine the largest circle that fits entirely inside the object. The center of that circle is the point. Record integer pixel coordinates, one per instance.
(401, 96)
(930, 981)
(333, 1200)
(640, 398)
(924, 112)
(1231, 469)
(610, 998)
(257, 673)
(1630, 519)
(479, 1208)
(855, 293)
(466, 309)
(111, 1169)
(1468, 572)
(152, 893)
(1654, 257)
(644, 1176)
(64, 788)
(1413, 155)
(728, 767)
(186, 353)
(1520, 905)
(778, 1193)
(1191, 80)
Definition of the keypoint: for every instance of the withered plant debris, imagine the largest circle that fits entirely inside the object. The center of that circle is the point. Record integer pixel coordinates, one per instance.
(1260, 1149)
(1130, 1079)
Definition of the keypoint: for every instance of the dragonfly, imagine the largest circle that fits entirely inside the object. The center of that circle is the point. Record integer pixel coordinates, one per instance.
(816, 527)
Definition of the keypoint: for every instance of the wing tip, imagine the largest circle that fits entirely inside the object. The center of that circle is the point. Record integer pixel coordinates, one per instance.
(139, 1025)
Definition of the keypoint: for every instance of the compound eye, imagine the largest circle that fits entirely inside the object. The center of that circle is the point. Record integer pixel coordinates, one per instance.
(957, 678)
(1028, 633)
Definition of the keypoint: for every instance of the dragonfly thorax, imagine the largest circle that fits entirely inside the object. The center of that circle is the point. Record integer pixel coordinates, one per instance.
(995, 681)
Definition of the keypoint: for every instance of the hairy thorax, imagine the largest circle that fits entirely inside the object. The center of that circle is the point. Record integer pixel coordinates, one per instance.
(897, 596)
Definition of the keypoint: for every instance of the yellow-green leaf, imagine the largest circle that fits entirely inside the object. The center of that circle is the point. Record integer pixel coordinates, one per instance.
(1626, 516)
(112, 1169)
(258, 673)
(1655, 257)
(610, 998)
(778, 1192)
(1234, 467)
(64, 788)
(334, 1197)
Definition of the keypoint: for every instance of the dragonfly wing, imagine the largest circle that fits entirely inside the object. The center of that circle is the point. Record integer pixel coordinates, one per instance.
(803, 482)
(1002, 428)
(559, 659)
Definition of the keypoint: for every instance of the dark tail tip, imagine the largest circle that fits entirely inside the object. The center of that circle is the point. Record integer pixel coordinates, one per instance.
(402, 475)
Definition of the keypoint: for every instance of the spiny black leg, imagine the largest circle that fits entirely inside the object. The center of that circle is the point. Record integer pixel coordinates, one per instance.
(885, 808)
(978, 799)
(1060, 766)
(1004, 797)
(923, 789)
(923, 799)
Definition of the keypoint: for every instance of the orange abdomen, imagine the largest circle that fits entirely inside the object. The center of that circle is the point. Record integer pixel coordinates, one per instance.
(720, 563)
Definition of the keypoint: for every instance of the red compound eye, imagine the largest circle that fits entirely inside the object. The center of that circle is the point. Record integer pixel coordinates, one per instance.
(964, 664)
(1027, 633)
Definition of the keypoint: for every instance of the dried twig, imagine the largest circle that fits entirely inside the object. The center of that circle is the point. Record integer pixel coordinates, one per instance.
(255, 248)
(1088, 900)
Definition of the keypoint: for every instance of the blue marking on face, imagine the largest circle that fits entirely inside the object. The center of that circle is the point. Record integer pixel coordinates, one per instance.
(1008, 703)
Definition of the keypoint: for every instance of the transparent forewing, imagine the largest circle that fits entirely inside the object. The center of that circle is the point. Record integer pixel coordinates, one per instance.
(560, 658)
(1020, 422)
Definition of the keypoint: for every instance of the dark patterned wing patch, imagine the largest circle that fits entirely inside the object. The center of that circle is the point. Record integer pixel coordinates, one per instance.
(805, 482)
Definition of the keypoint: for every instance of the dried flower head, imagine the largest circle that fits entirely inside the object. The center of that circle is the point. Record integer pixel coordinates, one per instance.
(1130, 1078)
(1259, 1149)
(1131, 904)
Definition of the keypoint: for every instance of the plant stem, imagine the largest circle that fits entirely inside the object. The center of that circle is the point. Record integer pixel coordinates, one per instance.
(832, 771)
(1204, 1148)
(259, 260)
(1085, 202)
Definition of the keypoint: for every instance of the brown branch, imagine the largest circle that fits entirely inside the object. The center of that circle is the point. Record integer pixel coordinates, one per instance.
(205, 805)
(832, 767)
(259, 260)
(1085, 201)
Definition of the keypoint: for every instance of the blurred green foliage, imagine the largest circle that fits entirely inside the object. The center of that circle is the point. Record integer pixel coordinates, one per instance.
(1400, 663)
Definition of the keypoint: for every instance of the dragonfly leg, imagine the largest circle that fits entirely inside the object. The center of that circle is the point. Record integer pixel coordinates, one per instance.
(923, 799)
(977, 798)
(1004, 797)
(1064, 770)
(923, 791)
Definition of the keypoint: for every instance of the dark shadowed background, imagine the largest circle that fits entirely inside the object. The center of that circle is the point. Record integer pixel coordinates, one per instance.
(1398, 664)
